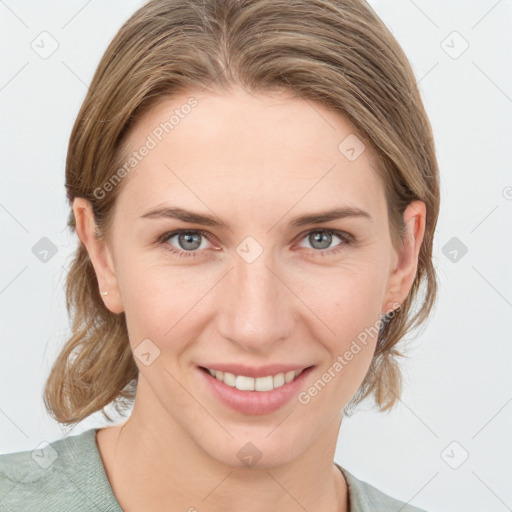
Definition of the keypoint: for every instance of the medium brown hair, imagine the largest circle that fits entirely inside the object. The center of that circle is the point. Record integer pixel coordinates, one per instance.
(336, 52)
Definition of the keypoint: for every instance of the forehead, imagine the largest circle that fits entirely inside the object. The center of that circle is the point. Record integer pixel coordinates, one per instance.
(247, 151)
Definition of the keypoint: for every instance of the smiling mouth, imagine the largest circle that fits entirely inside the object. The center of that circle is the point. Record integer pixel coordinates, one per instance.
(246, 383)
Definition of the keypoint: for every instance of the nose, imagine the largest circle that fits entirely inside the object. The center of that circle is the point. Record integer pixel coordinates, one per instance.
(255, 305)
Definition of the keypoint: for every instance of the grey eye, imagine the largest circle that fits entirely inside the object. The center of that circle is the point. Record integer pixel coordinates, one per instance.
(188, 240)
(321, 239)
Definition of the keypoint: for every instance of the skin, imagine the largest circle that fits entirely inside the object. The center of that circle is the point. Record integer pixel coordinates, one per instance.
(256, 161)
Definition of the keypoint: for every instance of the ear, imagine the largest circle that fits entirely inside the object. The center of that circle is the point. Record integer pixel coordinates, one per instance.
(405, 263)
(99, 253)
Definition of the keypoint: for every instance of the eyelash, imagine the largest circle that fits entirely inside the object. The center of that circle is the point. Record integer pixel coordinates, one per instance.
(346, 238)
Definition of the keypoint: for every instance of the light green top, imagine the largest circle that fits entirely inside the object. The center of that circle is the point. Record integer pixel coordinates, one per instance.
(67, 475)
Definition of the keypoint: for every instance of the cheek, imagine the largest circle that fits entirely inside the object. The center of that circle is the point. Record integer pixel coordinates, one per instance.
(158, 299)
(347, 298)
(346, 303)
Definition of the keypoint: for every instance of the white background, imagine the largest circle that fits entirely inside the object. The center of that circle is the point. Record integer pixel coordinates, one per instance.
(458, 379)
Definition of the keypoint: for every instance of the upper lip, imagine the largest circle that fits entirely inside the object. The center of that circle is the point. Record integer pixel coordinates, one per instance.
(253, 371)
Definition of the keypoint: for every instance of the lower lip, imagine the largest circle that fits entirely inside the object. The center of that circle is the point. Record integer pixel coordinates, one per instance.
(255, 402)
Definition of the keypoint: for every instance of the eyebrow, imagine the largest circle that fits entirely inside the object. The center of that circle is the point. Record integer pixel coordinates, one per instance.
(302, 220)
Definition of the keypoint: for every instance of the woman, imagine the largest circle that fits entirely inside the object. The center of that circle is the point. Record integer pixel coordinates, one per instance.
(255, 190)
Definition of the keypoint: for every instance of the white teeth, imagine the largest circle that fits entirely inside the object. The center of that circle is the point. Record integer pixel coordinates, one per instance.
(263, 383)
(228, 378)
(244, 383)
(288, 376)
(279, 380)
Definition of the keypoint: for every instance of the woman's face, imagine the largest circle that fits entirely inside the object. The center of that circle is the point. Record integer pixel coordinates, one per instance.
(255, 285)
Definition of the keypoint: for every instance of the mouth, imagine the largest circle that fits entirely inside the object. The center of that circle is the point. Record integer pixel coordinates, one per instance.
(254, 396)
(244, 382)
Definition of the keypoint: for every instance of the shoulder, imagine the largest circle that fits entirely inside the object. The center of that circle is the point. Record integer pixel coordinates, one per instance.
(365, 497)
(66, 474)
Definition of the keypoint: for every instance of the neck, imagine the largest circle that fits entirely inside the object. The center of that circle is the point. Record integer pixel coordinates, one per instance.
(156, 465)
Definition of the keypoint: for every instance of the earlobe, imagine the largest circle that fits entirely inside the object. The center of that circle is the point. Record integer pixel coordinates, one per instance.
(99, 254)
